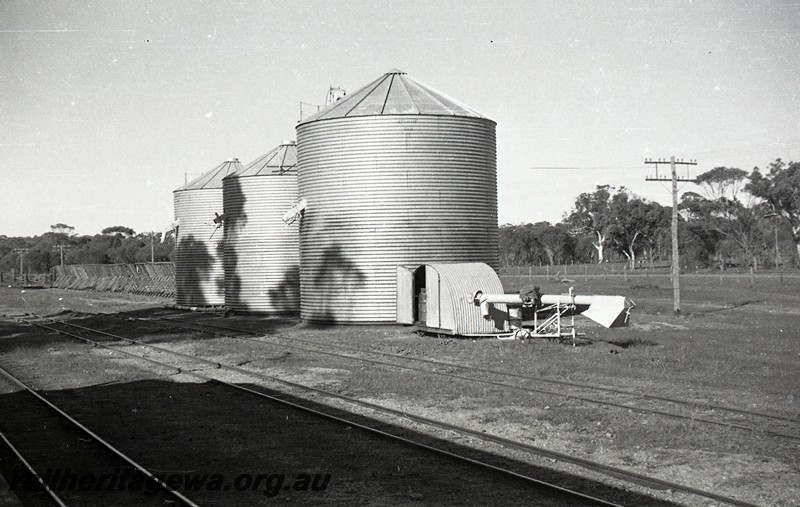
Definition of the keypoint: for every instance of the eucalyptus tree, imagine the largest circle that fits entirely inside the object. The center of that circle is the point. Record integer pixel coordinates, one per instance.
(590, 215)
(518, 245)
(706, 243)
(555, 241)
(730, 212)
(121, 230)
(780, 189)
(634, 224)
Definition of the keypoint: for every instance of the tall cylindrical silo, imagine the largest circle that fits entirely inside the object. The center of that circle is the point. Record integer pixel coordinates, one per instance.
(199, 271)
(396, 174)
(262, 252)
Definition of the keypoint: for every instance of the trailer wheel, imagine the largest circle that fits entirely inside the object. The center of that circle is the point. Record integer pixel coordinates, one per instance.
(522, 334)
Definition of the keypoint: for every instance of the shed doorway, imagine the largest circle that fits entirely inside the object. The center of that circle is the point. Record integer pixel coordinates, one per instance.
(412, 295)
(420, 297)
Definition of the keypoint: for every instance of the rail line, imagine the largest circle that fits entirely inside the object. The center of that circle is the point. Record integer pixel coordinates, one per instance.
(623, 392)
(96, 438)
(52, 494)
(618, 473)
(277, 399)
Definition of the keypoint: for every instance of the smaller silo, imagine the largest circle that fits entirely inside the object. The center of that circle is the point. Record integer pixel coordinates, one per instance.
(262, 252)
(199, 271)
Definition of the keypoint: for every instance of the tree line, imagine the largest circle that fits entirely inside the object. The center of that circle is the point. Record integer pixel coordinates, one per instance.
(114, 245)
(737, 219)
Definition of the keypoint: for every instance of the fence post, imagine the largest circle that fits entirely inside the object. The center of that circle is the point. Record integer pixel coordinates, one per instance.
(752, 279)
(625, 272)
(605, 273)
(547, 267)
(585, 273)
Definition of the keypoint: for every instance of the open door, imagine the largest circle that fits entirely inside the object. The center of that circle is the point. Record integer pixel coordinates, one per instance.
(405, 296)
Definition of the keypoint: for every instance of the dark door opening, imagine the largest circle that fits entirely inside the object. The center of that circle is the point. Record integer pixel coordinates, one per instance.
(420, 297)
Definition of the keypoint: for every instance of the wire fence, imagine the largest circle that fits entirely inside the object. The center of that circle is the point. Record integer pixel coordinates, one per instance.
(158, 279)
(645, 275)
(12, 278)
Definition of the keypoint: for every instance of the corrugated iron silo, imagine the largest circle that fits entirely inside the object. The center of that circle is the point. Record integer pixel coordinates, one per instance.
(199, 272)
(262, 252)
(395, 174)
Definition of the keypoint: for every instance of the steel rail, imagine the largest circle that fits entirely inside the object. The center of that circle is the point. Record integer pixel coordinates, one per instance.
(33, 472)
(297, 406)
(613, 390)
(591, 465)
(99, 344)
(673, 415)
(163, 485)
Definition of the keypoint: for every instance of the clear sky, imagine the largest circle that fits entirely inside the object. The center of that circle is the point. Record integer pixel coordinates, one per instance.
(106, 107)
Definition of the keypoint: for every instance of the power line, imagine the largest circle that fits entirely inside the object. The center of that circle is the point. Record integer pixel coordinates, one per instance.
(581, 168)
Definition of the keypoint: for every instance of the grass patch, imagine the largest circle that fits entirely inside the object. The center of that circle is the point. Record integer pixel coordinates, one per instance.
(631, 341)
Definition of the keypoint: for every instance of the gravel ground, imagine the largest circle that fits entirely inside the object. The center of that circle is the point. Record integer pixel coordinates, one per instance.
(722, 351)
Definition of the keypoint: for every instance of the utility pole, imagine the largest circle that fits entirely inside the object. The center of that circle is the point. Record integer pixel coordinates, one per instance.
(22, 252)
(777, 247)
(61, 247)
(676, 267)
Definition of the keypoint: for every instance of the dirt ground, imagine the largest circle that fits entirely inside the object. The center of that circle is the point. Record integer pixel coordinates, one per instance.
(735, 346)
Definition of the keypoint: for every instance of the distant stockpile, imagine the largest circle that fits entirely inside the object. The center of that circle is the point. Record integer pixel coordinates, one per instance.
(391, 177)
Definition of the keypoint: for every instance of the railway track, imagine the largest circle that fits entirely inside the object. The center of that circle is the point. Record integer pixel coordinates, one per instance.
(626, 475)
(566, 496)
(730, 414)
(65, 459)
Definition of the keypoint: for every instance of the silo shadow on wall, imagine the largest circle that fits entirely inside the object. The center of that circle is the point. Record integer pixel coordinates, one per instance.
(235, 221)
(336, 277)
(285, 297)
(193, 269)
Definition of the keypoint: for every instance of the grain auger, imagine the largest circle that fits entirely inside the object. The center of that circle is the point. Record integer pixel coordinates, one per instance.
(554, 315)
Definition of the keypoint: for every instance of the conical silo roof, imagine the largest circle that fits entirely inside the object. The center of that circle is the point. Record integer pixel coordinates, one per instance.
(279, 160)
(395, 93)
(213, 178)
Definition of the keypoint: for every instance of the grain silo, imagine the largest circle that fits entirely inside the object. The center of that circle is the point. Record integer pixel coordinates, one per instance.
(393, 176)
(199, 272)
(262, 252)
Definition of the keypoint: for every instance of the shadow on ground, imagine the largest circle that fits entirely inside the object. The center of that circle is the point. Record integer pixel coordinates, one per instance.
(206, 428)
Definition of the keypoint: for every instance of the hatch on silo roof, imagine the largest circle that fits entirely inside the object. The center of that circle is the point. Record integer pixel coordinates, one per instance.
(395, 93)
(213, 178)
(279, 160)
